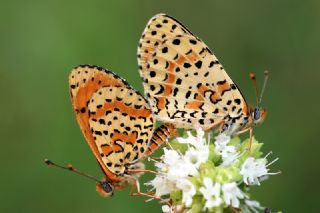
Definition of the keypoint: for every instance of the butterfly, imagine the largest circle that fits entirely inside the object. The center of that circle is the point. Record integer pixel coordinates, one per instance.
(117, 123)
(185, 83)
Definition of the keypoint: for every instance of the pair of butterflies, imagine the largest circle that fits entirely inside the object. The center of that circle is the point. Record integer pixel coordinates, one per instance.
(185, 87)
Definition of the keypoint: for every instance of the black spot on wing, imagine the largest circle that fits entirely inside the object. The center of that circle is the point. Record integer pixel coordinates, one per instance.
(176, 41)
(198, 64)
(160, 91)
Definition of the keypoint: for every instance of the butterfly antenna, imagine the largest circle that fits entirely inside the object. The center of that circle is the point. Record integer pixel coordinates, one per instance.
(69, 167)
(254, 81)
(266, 77)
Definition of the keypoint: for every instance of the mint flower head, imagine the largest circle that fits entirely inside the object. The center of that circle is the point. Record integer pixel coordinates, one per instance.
(199, 174)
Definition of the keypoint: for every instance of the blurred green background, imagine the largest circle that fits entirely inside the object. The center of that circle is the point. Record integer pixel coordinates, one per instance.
(41, 41)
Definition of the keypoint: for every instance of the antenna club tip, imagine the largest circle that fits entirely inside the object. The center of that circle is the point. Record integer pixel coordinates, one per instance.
(252, 76)
(70, 167)
(47, 161)
(266, 72)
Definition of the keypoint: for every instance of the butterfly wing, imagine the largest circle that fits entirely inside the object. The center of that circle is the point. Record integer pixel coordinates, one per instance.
(89, 86)
(122, 124)
(159, 28)
(183, 80)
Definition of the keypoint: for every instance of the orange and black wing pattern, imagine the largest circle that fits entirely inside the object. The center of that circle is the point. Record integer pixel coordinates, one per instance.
(183, 80)
(116, 120)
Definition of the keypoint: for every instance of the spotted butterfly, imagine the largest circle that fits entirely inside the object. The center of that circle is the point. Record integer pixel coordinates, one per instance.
(185, 83)
(117, 123)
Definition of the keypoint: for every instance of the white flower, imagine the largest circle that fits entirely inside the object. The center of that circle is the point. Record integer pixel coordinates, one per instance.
(179, 171)
(170, 157)
(252, 169)
(197, 157)
(161, 185)
(229, 154)
(197, 154)
(166, 209)
(198, 142)
(188, 166)
(251, 206)
(211, 192)
(222, 139)
(188, 191)
(173, 166)
(232, 194)
(174, 169)
(229, 159)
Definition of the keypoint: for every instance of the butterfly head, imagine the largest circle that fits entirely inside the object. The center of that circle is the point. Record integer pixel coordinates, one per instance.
(258, 114)
(104, 188)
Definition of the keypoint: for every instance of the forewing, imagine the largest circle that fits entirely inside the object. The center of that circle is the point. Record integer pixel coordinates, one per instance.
(185, 83)
(122, 124)
(84, 81)
(158, 29)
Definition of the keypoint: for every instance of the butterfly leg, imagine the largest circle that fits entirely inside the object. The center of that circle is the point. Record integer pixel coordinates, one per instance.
(251, 135)
(219, 124)
(136, 185)
(157, 159)
(133, 187)
(142, 171)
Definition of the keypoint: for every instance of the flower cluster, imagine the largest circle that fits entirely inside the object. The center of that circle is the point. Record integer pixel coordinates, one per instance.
(197, 174)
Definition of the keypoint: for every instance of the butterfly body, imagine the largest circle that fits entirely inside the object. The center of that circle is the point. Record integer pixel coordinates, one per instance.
(185, 83)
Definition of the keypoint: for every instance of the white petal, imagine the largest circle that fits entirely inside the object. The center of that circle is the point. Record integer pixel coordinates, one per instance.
(196, 157)
(161, 185)
(170, 156)
(211, 192)
(208, 183)
(188, 191)
(232, 194)
(251, 206)
(252, 169)
(166, 209)
(213, 202)
(222, 139)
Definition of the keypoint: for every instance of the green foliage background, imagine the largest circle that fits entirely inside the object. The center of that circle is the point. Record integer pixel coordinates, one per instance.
(41, 41)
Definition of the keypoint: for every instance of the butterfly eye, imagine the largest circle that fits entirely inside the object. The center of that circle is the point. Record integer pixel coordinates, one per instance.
(107, 187)
(104, 188)
(256, 113)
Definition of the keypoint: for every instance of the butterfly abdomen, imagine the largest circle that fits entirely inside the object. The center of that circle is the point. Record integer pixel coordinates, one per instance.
(160, 135)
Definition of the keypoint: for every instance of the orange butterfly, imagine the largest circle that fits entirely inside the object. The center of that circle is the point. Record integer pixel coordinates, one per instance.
(185, 83)
(118, 125)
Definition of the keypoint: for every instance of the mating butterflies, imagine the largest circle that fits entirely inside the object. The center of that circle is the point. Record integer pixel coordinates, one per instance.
(186, 85)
